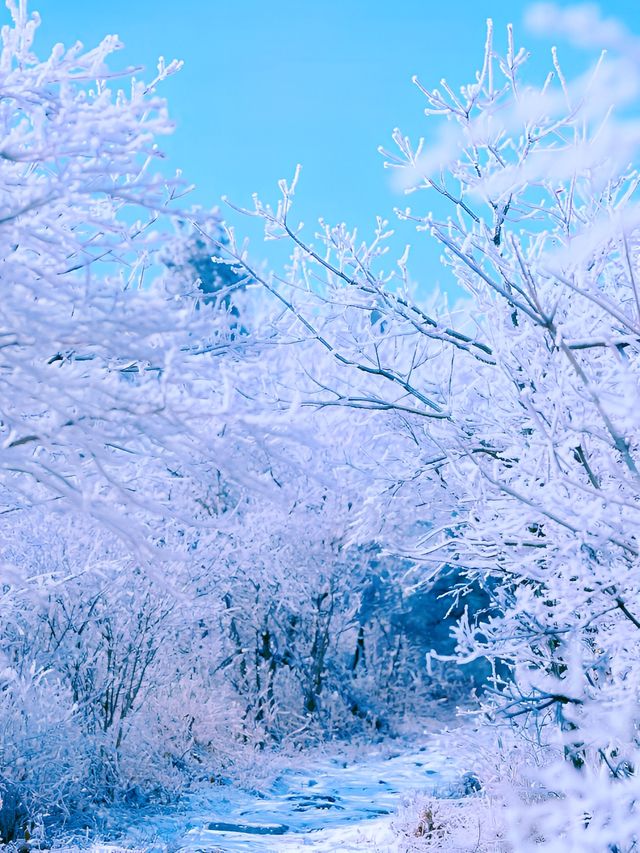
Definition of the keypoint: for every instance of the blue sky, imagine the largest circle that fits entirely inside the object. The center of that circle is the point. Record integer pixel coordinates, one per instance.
(269, 84)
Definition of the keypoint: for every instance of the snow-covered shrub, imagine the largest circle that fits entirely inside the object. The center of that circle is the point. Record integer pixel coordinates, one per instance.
(309, 627)
(109, 690)
(40, 748)
(459, 826)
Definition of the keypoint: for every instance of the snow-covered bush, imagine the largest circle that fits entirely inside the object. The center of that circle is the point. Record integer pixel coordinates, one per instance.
(457, 825)
(103, 700)
(314, 634)
(304, 643)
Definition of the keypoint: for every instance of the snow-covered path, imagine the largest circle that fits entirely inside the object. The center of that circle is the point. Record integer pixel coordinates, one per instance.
(334, 805)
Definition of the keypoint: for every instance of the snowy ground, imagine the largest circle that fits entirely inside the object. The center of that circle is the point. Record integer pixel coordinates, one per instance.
(333, 805)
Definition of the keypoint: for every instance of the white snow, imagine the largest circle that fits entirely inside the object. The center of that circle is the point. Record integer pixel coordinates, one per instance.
(334, 805)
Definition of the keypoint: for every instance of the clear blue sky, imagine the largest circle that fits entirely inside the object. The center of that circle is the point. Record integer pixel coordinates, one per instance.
(269, 84)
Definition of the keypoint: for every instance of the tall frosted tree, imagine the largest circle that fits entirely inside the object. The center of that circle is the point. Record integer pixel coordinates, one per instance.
(95, 352)
(111, 410)
(507, 429)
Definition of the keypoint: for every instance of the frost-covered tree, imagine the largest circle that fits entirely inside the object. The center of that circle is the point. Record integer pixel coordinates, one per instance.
(506, 438)
(109, 396)
(95, 354)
